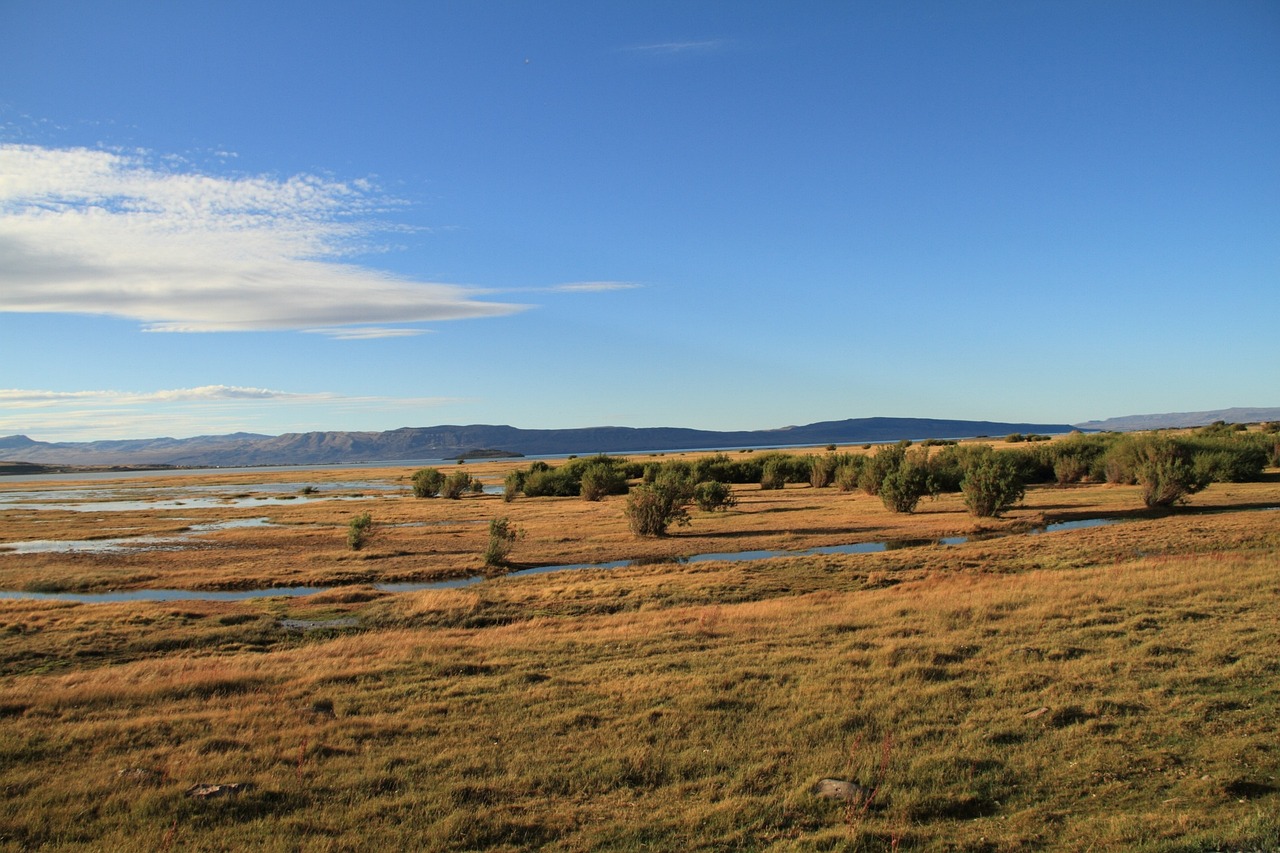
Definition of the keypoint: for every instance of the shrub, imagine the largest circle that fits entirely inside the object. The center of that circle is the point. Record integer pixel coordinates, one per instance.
(502, 536)
(1070, 469)
(359, 531)
(653, 507)
(720, 468)
(946, 469)
(822, 470)
(455, 484)
(427, 482)
(773, 475)
(904, 486)
(1236, 459)
(512, 484)
(600, 479)
(991, 484)
(1165, 471)
(711, 495)
(887, 459)
(846, 476)
(548, 482)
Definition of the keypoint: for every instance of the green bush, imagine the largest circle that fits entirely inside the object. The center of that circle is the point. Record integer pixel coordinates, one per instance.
(601, 479)
(653, 507)
(846, 476)
(822, 471)
(991, 483)
(1070, 469)
(427, 482)
(722, 469)
(946, 469)
(359, 531)
(1161, 465)
(1234, 459)
(455, 485)
(902, 488)
(512, 485)
(502, 537)
(773, 474)
(711, 495)
(887, 459)
(548, 482)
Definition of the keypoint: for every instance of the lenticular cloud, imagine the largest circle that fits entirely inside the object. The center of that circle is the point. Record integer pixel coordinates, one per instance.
(99, 232)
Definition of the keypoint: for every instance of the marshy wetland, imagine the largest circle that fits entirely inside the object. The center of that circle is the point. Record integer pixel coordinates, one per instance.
(1110, 683)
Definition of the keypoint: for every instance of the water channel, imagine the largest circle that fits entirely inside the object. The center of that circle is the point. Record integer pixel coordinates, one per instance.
(729, 556)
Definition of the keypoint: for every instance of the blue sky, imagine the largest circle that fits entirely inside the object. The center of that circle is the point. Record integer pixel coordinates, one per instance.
(280, 217)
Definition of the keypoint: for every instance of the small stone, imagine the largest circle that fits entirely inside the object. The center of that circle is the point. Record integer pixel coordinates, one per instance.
(839, 789)
(207, 792)
(1038, 712)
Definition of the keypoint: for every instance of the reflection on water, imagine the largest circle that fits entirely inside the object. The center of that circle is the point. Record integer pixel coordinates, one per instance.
(134, 505)
(126, 544)
(93, 546)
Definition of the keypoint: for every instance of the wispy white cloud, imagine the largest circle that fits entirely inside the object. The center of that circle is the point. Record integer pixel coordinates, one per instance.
(97, 414)
(16, 397)
(673, 47)
(104, 232)
(366, 333)
(592, 286)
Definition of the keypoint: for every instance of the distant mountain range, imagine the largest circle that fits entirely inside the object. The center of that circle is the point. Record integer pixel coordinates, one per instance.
(478, 440)
(438, 442)
(1176, 420)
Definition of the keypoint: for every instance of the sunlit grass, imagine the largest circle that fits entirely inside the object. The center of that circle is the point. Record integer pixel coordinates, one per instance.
(1107, 688)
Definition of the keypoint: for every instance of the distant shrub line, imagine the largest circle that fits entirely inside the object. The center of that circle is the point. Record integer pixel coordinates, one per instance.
(1168, 467)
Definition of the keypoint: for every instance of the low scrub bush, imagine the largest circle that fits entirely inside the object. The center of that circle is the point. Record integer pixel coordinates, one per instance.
(711, 495)
(653, 507)
(991, 483)
(822, 471)
(601, 479)
(548, 482)
(512, 485)
(887, 459)
(359, 531)
(846, 477)
(502, 537)
(903, 487)
(773, 475)
(1163, 466)
(456, 484)
(427, 482)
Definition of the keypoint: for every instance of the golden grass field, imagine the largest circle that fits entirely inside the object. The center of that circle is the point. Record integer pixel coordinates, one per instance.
(1106, 688)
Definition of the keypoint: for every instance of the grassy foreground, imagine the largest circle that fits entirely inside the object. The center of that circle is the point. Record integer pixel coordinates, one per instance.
(1105, 688)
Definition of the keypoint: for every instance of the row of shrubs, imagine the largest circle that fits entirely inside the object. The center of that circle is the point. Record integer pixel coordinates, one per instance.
(1168, 467)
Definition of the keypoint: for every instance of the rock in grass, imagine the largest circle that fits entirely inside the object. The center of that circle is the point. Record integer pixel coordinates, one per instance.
(208, 792)
(839, 789)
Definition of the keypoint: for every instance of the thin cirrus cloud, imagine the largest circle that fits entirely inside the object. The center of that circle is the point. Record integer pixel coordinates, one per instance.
(676, 47)
(592, 286)
(187, 411)
(23, 398)
(100, 232)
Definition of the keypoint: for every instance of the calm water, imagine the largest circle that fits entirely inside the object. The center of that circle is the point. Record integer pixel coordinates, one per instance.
(724, 556)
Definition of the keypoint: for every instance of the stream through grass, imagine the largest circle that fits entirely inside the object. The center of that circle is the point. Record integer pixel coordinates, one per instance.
(726, 556)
